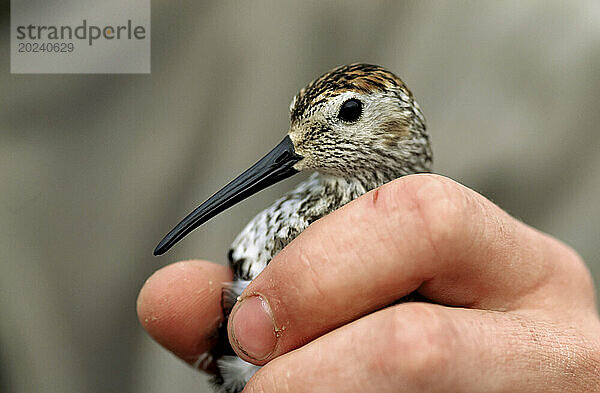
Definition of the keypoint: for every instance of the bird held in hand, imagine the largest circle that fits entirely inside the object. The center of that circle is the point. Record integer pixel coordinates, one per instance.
(356, 127)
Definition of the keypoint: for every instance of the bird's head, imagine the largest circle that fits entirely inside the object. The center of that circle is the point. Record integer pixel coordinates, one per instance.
(357, 121)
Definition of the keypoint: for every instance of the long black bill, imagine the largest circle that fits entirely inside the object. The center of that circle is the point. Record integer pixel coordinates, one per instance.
(272, 168)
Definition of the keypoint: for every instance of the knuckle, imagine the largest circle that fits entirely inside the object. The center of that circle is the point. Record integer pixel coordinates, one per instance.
(569, 270)
(416, 344)
(437, 206)
(582, 277)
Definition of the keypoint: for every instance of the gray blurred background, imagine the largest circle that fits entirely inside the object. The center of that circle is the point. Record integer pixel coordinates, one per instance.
(94, 169)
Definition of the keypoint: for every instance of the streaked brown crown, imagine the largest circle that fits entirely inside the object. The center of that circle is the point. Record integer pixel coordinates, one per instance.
(362, 78)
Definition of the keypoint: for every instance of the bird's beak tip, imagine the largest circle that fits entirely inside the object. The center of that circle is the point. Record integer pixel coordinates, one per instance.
(277, 165)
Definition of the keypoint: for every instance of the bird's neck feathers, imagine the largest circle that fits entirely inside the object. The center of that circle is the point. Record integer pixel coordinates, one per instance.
(329, 192)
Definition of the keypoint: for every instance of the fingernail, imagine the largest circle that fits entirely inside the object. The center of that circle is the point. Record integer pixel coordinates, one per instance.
(253, 328)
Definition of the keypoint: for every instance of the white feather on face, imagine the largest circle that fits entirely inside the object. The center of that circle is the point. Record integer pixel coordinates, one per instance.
(386, 141)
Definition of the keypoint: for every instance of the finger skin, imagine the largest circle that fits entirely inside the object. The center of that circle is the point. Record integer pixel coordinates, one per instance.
(419, 347)
(422, 232)
(180, 307)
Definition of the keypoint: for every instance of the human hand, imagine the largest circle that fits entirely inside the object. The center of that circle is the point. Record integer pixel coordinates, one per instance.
(514, 307)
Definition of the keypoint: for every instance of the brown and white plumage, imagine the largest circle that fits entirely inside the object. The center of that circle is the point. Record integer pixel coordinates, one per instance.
(349, 158)
(356, 127)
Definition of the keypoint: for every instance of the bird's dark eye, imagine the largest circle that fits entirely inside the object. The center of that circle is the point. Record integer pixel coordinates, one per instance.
(350, 110)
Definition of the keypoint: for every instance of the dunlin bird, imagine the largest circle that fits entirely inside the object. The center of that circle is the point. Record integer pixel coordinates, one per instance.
(357, 127)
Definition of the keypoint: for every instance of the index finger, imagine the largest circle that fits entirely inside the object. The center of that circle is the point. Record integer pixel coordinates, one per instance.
(421, 232)
(180, 307)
